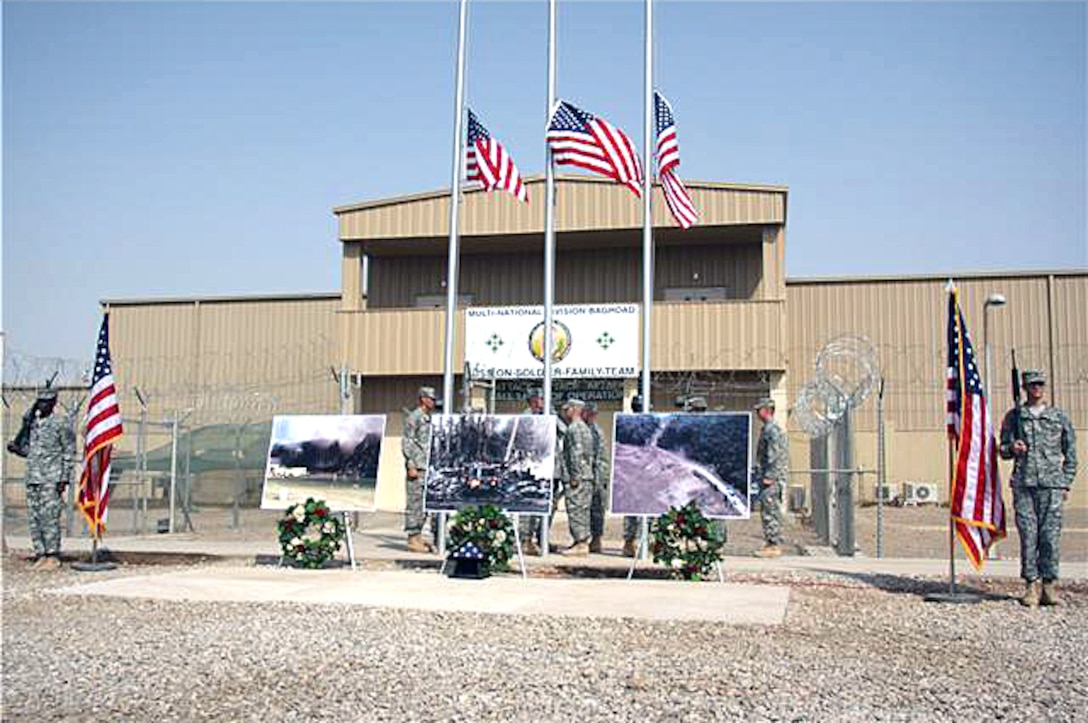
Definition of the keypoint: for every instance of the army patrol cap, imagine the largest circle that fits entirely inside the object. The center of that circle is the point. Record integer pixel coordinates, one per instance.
(534, 392)
(698, 403)
(1032, 376)
(764, 403)
(427, 392)
(591, 406)
(50, 395)
(575, 402)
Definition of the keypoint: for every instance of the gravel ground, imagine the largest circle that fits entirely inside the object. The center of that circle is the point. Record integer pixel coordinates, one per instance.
(854, 650)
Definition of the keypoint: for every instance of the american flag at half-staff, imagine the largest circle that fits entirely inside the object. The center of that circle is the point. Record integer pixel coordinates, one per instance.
(487, 162)
(102, 429)
(668, 158)
(977, 508)
(578, 138)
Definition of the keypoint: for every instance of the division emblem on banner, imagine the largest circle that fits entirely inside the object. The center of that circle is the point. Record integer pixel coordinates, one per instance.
(561, 341)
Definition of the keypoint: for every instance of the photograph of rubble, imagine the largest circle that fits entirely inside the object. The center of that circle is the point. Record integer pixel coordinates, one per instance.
(506, 460)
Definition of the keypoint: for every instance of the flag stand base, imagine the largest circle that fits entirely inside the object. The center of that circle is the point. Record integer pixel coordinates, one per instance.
(95, 565)
(960, 598)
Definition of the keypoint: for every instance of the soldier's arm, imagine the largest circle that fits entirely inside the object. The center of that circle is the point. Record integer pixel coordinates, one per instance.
(1069, 450)
(68, 454)
(409, 443)
(1005, 447)
(778, 456)
(580, 455)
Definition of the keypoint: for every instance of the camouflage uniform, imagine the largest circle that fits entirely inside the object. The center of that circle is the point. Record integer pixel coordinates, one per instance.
(1039, 477)
(772, 462)
(602, 464)
(50, 453)
(416, 446)
(580, 478)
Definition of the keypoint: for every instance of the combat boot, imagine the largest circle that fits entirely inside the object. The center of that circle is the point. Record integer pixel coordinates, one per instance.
(1030, 598)
(595, 544)
(769, 551)
(1050, 594)
(416, 543)
(630, 548)
(578, 549)
(49, 563)
(530, 548)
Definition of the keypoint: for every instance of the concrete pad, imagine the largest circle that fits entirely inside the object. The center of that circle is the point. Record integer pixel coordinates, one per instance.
(728, 603)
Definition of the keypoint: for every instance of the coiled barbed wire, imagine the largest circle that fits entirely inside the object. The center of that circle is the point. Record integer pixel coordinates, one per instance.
(847, 371)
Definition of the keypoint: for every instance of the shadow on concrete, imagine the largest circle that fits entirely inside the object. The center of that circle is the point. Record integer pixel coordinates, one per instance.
(901, 585)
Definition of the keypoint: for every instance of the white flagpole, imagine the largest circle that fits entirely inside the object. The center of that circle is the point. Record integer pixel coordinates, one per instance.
(455, 206)
(549, 221)
(549, 250)
(454, 251)
(647, 213)
(648, 127)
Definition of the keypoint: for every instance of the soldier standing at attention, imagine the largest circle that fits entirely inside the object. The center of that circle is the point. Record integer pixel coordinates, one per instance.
(578, 451)
(416, 446)
(631, 522)
(561, 477)
(772, 462)
(601, 467)
(529, 525)
(49, 453)
(1041, 440)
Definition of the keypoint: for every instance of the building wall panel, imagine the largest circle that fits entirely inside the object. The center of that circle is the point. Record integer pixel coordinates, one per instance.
(581, 277)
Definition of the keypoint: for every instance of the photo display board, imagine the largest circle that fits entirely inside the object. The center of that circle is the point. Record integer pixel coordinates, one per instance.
(667, 460)
(329, 457)
(506, 460)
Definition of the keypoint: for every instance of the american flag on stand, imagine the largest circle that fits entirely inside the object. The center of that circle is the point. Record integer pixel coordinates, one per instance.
(977, 509)
(668, 158)
(102, 430)
(488, 162)
(578, 138)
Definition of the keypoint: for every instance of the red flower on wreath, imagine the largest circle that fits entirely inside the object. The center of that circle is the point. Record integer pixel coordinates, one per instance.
(321, 512)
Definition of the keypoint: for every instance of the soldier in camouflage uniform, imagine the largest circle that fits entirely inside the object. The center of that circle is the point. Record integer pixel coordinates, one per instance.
(580, 478)
(529, 525)
(772, 462)
(416, 446)
(50, 453)
(559, 484)
(631, 522)
(602, 464)
(1041, 440)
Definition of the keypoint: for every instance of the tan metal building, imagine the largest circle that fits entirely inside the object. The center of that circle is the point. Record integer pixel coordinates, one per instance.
(727, 323)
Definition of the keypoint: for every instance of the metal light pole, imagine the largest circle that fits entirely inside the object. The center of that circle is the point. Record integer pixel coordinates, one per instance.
(994, 299)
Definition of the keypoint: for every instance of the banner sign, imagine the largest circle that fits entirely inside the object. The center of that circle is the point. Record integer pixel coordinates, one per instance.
(590, 341)
(588, 390)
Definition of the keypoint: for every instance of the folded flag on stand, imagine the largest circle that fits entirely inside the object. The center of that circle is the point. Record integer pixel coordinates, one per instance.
(488, 162)
(977, 508)
(668, 158)
(578, 138)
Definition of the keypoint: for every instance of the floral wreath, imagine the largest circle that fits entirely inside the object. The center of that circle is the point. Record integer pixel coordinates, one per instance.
(309, 534)
(488, 528)
(686, 543)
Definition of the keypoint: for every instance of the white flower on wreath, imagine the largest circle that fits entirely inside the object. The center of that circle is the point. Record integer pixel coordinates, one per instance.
(500, 536)
(328, 528)
(677, 563)
(299, 512)
(296, 542)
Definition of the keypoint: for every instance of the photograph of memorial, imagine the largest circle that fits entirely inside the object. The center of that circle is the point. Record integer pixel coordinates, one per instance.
(666, 460)
(329, 457)
(505, 460)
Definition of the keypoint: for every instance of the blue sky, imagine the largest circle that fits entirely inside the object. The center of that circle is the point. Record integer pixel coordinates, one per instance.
(158, 149)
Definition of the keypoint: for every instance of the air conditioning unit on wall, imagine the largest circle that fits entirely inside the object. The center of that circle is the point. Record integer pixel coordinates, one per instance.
(886, 493)
(919, 493)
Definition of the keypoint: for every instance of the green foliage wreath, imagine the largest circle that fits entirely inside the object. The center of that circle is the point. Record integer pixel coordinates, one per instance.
(686, 543)
(489, 528)
(309, 533)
